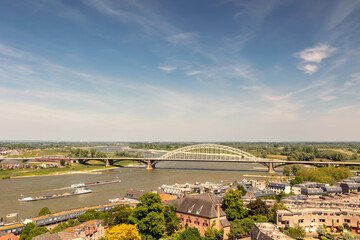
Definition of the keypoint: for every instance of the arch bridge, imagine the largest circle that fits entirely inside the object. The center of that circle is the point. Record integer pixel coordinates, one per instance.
(210, 153)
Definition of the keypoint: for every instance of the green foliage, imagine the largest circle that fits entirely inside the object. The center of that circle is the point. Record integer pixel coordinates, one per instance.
(296, 232)
(92, 152)
(189, 233)
(62, 162)
(127, 154)
(348, 236)
(44, 211)
(78, 152)
(286, 171)
(31, 230)
(92, 214)
(118, 215)
(172, 221)
(63, 225)
(340, 228)
(295, 169)
(239, 227)
(296, 180)
(325, 175)
(321, 230)
(258, 207)
(213, 234)
(242, 189)
(272, 210)
(149, 216)
(233, 205)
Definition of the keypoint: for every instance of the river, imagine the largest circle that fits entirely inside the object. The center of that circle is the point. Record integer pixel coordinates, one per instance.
(131, 178)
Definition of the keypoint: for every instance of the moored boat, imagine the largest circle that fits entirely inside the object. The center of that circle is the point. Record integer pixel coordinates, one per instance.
(78, 191)
(76, 185)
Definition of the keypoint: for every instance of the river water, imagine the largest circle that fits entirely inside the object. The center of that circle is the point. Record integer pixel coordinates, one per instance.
(131, 178)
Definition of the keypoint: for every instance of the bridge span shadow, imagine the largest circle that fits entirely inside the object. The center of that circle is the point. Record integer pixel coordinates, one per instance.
(203, 169)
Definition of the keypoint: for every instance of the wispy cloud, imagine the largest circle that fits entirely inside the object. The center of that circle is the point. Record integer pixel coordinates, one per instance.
(316, 54)
(308, 68)
(313, 56)
(167, 68)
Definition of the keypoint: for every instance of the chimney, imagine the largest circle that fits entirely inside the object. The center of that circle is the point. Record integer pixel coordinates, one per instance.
(218, 210)
(185, 194)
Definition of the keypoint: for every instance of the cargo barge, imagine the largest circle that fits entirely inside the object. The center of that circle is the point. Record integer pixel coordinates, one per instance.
(77, 192)
(77, 185)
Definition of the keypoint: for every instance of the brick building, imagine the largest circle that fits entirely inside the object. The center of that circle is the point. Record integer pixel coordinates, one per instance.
(201, 211)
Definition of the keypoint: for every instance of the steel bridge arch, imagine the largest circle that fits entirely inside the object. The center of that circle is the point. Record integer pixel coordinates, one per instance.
(200, 150)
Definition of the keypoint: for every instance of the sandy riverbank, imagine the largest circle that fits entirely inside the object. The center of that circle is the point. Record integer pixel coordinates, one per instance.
(93, 171)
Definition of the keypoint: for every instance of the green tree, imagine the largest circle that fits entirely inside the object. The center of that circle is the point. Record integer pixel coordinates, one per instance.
(296, 232)
(149, 216)
(118, 215)
(240, 227)
(92, 152)
(295, 169)
(272, 210)
(190, 233)
(31, 230)
(242, 189)
(44, 211)
(213, 234)
(296, 180)
(321, 230)
(348, 236)
(92, 214)
(258, 207)
(233, 205)
(286, 171)
(172, 221)
(62, 162)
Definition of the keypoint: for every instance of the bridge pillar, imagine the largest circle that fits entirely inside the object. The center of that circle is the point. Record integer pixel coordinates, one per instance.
(151, 164)
(109, 162)
(271, 168)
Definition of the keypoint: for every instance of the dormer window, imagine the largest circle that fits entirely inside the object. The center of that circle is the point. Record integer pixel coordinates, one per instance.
(199, 210)
(190, 209)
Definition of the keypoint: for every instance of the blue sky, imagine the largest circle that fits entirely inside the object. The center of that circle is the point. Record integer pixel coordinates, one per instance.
(226, 70)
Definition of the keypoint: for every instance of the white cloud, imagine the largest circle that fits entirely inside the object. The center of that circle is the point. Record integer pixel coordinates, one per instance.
(313, 56)
(316, 54)
(167, 68)
(308, 68)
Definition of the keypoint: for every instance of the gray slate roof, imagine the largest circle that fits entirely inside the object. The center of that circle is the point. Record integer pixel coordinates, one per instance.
(202, 205)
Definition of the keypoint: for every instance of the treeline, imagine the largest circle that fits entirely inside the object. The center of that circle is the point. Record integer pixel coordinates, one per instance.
(328, 175)
(83, 153)
(127, 154)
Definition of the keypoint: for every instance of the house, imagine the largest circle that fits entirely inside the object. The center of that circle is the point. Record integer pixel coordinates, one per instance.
(279, 187)
(93, 229)
(8, 236)
(350, 187)
(201, 211)
(133, 195)
(55, 236)
(267, 231)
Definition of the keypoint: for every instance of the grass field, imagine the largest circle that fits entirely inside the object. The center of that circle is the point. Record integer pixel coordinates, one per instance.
(95, 165)
(46, 152)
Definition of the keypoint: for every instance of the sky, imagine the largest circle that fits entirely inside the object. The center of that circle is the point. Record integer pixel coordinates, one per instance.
(192, 70)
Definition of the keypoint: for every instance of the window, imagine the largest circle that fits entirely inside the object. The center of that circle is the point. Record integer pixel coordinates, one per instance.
(347, 220)
(331, 214)
(321, 220)
(325, 214)
(301, 220)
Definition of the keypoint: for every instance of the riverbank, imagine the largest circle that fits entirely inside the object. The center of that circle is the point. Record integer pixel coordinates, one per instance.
(73, 169)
